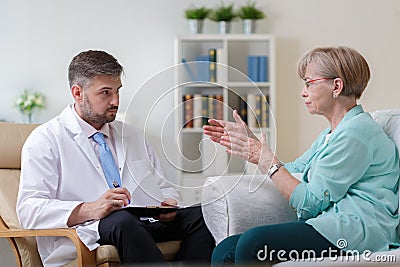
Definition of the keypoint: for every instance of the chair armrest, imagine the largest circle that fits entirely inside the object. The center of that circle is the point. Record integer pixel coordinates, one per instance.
(234, 204)
(85, 256)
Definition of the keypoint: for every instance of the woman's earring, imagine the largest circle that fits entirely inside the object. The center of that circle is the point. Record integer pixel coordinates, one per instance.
(334, 95)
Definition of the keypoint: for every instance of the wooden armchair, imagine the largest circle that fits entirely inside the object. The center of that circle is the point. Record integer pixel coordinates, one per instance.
(22, 241)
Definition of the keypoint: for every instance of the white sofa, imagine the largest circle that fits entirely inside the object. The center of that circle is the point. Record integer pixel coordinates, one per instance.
(233, 204)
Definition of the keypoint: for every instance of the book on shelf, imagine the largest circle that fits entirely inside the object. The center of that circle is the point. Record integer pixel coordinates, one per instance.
(242, 109)
(199, 108)
(262, 65)
(204, 111)
(189, 71)
(221, 68)
(197, 111)
(257, 111)
(212, 57)
(188, 111)
(251, 111)
(265, 112)
(252, 68)
(205, 68)
(202, 68)
(211, 107)
(219, 107)
(257, 68)
(216, 106)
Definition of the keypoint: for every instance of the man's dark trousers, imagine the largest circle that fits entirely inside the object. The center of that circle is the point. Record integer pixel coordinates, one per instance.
(136, 239)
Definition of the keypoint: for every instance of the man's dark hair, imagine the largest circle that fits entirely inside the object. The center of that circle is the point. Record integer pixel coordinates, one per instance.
(88, 64)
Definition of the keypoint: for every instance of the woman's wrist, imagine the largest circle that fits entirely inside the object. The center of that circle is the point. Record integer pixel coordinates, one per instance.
(265, 165)
(274, 168)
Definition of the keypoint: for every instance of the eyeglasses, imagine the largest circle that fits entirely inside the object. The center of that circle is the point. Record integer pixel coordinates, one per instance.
(309, 82)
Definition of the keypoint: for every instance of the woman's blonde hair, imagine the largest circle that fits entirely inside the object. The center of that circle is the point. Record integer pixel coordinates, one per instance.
(338, 62)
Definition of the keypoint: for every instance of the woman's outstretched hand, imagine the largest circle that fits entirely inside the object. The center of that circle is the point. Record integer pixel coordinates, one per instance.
(219, 128)
(252, 150)
(240, 141)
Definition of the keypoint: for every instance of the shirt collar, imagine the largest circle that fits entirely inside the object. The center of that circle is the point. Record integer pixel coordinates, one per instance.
(88, 129)
(350, 114)
(353, 112)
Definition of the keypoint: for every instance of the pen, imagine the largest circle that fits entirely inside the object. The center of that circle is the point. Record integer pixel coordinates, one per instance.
(116, 185)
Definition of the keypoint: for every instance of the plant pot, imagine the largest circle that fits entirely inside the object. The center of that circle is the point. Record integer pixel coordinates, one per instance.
(195, 26)
(224, 27)
(249, 26)
(27, 117)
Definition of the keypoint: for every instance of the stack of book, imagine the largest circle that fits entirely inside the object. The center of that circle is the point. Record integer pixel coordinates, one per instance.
(254, 110)
(257, 67)
(199, 108)
(205, 67)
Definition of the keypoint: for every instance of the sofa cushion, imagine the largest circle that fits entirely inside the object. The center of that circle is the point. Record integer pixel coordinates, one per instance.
(234, 204)
(390, 122)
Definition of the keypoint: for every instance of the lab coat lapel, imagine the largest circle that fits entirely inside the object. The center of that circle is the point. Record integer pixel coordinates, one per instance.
(68, 120)
(119, 146)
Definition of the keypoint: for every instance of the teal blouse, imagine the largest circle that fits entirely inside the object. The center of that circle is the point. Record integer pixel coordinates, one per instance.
(349, 188)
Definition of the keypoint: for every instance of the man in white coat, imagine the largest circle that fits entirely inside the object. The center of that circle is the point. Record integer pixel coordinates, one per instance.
(65, 184)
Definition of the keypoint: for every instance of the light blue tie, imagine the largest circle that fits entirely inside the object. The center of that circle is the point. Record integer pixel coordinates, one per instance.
(107, 161)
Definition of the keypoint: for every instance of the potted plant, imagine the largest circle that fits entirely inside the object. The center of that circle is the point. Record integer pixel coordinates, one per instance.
(250, 14)
(223, 15)
(196, 16)
(28, 102)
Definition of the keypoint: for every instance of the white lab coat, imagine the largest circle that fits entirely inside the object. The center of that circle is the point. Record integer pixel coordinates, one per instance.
(60, 170)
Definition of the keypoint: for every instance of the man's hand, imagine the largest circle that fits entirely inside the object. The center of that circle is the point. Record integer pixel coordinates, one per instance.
(112, 200)
(167, 217)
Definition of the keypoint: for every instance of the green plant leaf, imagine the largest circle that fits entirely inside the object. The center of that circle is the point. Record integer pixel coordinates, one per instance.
(223, 13)
(197, 13)
(250, 11)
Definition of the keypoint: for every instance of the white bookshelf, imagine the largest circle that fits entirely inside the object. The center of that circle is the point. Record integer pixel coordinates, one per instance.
(199, 157)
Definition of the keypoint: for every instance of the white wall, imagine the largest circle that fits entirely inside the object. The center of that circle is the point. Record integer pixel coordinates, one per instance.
(39, 38)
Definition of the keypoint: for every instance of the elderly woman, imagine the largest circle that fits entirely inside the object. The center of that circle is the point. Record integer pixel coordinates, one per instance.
(347, 198)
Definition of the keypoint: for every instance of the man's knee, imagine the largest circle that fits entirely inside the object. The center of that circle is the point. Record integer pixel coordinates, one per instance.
(119, 222)
(193, 212)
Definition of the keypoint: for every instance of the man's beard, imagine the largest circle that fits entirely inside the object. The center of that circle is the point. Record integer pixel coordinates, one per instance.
(93, 118)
